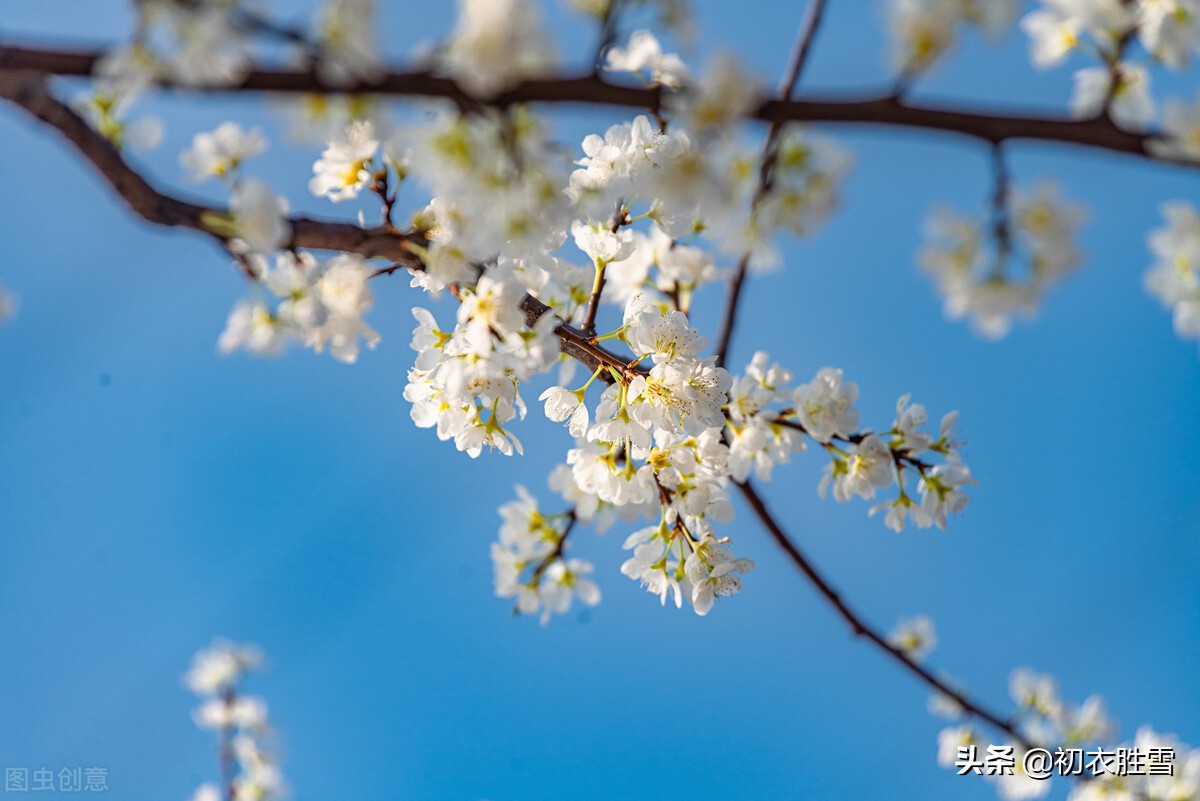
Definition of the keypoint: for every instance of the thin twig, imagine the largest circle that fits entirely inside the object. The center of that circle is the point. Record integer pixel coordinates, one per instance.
(861, 628)
(770, 156)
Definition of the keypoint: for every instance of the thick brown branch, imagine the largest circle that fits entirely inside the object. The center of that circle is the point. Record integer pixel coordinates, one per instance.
(29, 91)
(990, 126)
(860, 628)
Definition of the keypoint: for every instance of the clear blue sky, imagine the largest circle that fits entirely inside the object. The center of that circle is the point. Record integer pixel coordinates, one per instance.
(154, 494)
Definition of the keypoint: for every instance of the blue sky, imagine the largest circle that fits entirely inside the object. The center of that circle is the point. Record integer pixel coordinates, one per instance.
(156, 494)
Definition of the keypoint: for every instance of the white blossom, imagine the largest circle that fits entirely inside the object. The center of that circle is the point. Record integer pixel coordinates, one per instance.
(1169, 29)
(344, 168)
(1131, 107)
(259, 218)
(496, 43)
(1174, 277)
(1180, 131)
(221, 152)
(915, 637)
(644, 54)
(825, 405)
(349, 51)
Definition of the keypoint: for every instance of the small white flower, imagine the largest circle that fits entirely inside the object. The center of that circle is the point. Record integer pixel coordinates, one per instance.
(260, 222)
(349, 51)
(915, 637)
(644, 53)
(343, 169)
(601, 243)
(219, 667)
(563, 404)
(1180, 131)
(1132, 106)
(496, 43)
(1034, 691)
(825, 405)
(220, 152)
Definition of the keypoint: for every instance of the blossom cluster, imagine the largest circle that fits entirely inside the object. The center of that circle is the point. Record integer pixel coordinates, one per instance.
(861, 463)
(1168, 32)
(536, 248)
(240, 720)
(1175, 276)
(970, 258)
(923, 30)
(1043, 720)
(319, 304)
(529, 564)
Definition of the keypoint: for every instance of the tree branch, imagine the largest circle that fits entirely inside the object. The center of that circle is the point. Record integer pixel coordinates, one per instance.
(770, 156)
(28, 90)
(989, 126)
(860, 628)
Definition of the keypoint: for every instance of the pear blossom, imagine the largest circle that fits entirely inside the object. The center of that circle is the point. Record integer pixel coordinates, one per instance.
(259, 221)
(320, 304)
(1087, 723)
(1174, 279)
(921, 30)
(867, 467)
(1059, 27)
(710, 106)
(1053, 36)
(211, 49)
(602, 244)
(252, 326)
(644, 54)
(1169, 29)
(941, 492)
(562, 404)
(975, 282)
(348, 48)
(952, 738)
(221, 666)
(220, 152)
(528, 562)
(496, 43)
(825, 405)
(713, 571)
(1036, 692)
(1131, 107)
(1180, 134)
(207, 792)
(343, 169)
(915, 637)
(241, 721)
(126, 71)
(1018, 784)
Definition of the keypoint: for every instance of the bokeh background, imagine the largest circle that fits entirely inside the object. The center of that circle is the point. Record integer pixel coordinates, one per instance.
(154, 494)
